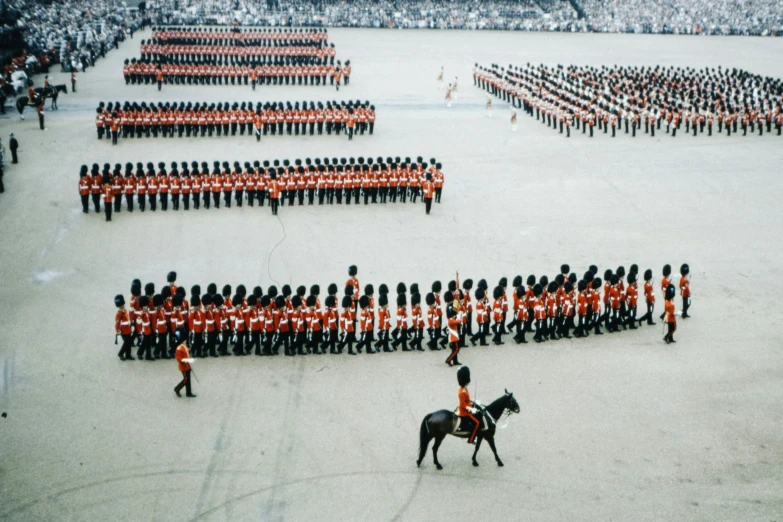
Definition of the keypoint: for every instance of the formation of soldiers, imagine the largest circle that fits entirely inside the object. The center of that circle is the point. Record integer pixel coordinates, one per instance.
(264, 322)
(241, 36)
(222, 57)
(629, 99)
(298, 72)
(329, 181)
(139, 120)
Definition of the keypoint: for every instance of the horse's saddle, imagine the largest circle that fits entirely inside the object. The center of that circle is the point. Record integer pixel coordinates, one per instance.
(465, 424)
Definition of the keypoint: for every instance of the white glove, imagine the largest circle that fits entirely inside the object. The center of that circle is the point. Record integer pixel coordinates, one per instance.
(473, 410)
(476, 402)
(189, 361)
(678, 314)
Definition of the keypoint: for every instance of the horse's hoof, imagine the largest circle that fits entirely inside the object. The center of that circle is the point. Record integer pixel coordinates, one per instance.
(500, 464)
(439, 467)
(418, 463)
(475, 464)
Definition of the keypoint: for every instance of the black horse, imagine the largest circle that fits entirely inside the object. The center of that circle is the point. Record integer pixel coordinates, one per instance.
(52, 92)
(444, 422)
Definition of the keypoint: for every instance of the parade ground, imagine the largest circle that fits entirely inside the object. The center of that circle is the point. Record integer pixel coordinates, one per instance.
(613, 427)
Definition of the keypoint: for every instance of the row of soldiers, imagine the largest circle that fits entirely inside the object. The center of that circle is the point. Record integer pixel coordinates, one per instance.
(239, 36)
(329, 180)
(613, 98)
(264, 322)
(302, 73)
(139, 120)
(255, 55)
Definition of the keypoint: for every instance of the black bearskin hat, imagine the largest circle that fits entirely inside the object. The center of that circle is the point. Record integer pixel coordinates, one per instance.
(315, 290)
(157, 300)
(352, 270)
(414, 289)
(520, 292)
(176, 300)
(452, 286)
(348, 290)
(119, 300)
(218, 301)
(436, 286)
(301, 290)
(480, 293)
(364, 301)
(685, 269)
(369, 290)
(483, 284)
(330, 301)
(211, 288)
(310, 301)
(415, 298)
(564, 269)
(467, 284)
(144, 301)
(632, 277)
(497, 293)
(206, 300)
(430, 299)
(383, 300)
(226, 290)
(272, 291)
(401, 300)
(266, 301)
(538, 290)
(517, 281)
(597, 283)
(195, 290)
(383, 289)
(670, 291)
(401, 288)
(332, 289)
(171, 277)
(667, 270)
(252, 300)
(648, 274)
(463, 376)
(347, 301)
(531, 280)
(448, 297)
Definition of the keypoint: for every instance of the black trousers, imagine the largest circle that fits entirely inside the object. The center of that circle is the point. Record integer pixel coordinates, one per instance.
(85, 203)
(428, 204)
(185, 382)
(145, 350)
(125, 349)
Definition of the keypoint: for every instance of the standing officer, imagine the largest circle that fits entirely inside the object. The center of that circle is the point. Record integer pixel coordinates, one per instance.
(40, 109)
(84, 188)
(122, 326)
(14, 146)
(183, 363)
(428, 189)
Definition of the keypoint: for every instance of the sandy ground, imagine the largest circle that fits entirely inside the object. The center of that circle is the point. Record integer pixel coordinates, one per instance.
(618, 427)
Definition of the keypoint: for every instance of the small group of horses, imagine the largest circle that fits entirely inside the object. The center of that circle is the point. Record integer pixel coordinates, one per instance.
(53, 91)
(438, 424)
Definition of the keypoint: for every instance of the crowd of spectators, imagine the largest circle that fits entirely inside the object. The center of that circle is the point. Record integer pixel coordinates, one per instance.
(745, 17)
(73, 33)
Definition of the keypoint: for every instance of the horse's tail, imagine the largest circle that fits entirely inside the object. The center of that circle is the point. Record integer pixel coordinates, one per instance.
(424, 438)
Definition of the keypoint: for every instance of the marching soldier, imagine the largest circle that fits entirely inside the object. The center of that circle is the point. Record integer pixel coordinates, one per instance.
(685, 289)
(184, 360)
(669, 314)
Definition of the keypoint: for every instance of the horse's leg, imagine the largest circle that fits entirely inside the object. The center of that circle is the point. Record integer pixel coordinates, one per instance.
(423, 443)
(435, 447)
(491, 440)
(475, 452)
